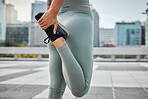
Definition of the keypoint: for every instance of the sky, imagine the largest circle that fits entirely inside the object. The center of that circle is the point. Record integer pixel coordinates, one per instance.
(109, 11)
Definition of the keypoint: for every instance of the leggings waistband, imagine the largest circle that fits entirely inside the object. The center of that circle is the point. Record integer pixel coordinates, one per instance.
(81, 9)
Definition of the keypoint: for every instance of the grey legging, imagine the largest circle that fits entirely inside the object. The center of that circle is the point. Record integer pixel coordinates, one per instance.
(72, 63)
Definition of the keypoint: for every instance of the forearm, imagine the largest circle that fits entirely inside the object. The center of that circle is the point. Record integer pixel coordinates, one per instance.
(55, 6)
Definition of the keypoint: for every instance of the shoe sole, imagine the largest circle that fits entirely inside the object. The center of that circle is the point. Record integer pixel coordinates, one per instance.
(64, 28)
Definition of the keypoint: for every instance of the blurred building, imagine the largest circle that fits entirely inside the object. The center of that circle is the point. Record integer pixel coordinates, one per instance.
(146, 32)
(38, 6)
(95, 28)
(36, 34)
(17, 33)
(107, 36)
(128, 33)
(143, 33)
(2, 22)
(11, 14)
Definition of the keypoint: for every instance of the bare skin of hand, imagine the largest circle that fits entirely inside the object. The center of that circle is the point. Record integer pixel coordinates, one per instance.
(47, 20)
(50, 16)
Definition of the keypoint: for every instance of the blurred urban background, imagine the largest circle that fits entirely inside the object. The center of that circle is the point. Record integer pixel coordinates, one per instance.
(25, 32)
(120, 50)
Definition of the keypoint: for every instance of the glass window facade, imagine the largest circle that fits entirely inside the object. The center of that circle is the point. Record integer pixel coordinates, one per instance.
(128, 33)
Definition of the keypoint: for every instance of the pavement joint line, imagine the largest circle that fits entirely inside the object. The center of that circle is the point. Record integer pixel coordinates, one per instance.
(138, 82)
(113, 89)
(113, 86)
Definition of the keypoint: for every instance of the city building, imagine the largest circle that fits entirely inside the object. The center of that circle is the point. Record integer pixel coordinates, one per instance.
(146, 32)
(36, 34)
(11, 14)
(2, 22)
(106, 36)
(38, 6)
(95, 28)
(17, 33)
(128, 33)
(143, 33)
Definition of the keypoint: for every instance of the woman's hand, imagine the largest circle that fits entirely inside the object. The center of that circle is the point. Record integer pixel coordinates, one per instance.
(50, 17)
(47, 20)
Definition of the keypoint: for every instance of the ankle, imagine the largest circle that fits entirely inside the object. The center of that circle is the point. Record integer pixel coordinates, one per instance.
(59, 42)
(55, 37)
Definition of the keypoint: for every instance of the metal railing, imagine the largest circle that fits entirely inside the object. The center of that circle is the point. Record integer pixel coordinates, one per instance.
(113, 52)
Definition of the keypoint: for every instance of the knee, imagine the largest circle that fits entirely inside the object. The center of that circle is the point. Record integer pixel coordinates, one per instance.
(80, 93)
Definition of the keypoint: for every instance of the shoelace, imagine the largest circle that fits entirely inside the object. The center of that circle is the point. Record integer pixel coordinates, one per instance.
(48, 37)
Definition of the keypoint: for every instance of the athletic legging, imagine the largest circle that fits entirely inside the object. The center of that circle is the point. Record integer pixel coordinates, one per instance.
(72, 63)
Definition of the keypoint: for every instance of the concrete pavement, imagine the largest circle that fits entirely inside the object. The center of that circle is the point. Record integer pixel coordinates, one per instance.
(110, 80)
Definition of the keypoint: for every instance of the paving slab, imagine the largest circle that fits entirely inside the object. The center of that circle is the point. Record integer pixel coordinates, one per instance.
(98, 93)
(110, 80)
(16, 91)
(130, 93)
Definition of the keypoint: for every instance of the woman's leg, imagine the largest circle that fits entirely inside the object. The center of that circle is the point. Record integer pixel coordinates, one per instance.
(76, 54)
(57, 82)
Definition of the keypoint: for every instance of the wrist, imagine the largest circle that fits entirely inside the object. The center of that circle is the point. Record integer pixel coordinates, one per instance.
(52, 12)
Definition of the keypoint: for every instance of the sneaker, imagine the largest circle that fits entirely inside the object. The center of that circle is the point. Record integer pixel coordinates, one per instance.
(61, 30)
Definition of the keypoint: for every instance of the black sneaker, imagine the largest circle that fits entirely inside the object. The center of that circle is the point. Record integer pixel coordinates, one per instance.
(61, 30)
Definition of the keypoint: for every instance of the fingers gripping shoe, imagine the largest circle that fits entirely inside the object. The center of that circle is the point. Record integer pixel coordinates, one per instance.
(60, 32)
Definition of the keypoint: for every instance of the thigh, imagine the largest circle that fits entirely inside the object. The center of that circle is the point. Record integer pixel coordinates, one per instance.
(80, 39)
